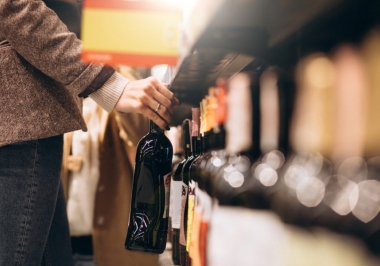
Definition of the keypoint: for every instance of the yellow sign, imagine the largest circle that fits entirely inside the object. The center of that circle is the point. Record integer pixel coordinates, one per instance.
(136, 33)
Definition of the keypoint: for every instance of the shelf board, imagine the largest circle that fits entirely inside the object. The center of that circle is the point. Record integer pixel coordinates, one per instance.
(241, 31)
(199, 71)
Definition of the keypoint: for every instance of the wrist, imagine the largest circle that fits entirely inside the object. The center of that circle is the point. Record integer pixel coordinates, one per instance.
(109, 94)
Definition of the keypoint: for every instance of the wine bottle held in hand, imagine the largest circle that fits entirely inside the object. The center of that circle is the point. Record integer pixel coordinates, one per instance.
(149, 215)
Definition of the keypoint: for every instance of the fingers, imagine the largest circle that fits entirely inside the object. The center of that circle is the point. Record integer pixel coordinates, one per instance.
(164, 101)
(157, 119)
(144, 96)
(160, 109)
(162, 88)
(163, 96)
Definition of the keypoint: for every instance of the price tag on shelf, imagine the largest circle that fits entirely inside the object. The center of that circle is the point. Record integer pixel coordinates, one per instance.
(136, 33)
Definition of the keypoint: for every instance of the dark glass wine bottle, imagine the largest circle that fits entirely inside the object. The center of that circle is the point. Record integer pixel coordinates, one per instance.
(178, 193)
(148, 221)
(229, 166)
(175, 138)
(195, 152)
(184, 204)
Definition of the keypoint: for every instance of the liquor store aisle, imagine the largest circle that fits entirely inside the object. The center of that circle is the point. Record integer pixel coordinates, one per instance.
(279, 162)
(273, 158)
(243, 203)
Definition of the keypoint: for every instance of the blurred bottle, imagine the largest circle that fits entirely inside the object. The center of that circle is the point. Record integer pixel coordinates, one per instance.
(193, 238)
(175, 138)
(275, 93)
(307, 170)
(178, 192)
(184, 196)
(212, 118)
(186, 175)
(332, 178)
(148, 223)
(367, 207)
(230, 168)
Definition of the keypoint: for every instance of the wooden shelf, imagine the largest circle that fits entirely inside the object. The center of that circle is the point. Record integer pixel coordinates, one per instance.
(276, 32)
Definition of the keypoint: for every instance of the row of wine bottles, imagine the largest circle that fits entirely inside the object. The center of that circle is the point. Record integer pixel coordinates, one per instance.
(304, 145)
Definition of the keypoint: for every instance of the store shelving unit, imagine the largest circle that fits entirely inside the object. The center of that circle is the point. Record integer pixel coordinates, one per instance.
(236, 33)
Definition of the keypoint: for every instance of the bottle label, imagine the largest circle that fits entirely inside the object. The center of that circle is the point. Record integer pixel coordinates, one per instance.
(176, 206)
(191, 187)
(240, 116)
(208, 204)
(182, 234)
(190, 212)
(167, 179)
(190, 215)
(194, 248)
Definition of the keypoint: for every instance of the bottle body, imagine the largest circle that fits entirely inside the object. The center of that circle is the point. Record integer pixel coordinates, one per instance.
(179, 194)
(187, 203)
(149, 216)
(176, 219)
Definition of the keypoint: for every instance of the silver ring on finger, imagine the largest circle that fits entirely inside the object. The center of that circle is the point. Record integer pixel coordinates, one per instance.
(157, 108)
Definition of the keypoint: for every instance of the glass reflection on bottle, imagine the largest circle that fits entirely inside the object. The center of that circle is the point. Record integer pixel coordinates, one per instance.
(148, 222)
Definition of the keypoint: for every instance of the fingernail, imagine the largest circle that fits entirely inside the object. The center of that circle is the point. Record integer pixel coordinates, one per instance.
(179, 102)
(167, 127)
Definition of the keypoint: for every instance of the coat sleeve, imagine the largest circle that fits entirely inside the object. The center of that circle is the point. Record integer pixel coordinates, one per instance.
(41, 38)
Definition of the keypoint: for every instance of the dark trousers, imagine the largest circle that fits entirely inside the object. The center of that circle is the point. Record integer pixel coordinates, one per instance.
(33, 220)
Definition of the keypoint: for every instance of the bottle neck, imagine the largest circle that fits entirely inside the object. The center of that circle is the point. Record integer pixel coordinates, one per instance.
(196, 146)
(219, 138)
(204, 143)
(187, 149)
(186, 138)
(154, 128)
(239, 118)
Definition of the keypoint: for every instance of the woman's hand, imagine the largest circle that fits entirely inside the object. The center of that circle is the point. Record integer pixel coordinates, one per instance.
(150, 98)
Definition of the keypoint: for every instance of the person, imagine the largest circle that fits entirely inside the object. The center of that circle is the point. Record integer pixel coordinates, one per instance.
(42, 81)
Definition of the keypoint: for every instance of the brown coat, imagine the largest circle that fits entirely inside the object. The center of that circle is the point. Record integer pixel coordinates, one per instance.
(41, 73)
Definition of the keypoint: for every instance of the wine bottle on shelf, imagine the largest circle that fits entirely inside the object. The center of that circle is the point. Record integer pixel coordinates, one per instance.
(178, 193)
(214, 135)
(276, 90)
(216, 118)
(204, 111)
(174, 136)
(188, 204)
(193, 246)
(202, 142)
(206, 121)
(231, 180)
(307, 170)
(148, 222)
(199, 184)
(184, 202)
(195, 148)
